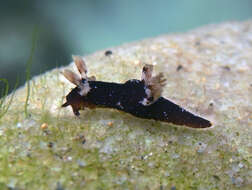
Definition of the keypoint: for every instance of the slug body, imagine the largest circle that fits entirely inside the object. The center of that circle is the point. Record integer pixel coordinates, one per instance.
(140, 98)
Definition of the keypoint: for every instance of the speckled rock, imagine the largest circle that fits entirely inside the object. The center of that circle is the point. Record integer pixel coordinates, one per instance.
(209, 71)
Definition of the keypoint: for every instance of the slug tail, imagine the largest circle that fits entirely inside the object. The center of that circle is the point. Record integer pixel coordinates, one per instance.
(167, 111)
(195, 121)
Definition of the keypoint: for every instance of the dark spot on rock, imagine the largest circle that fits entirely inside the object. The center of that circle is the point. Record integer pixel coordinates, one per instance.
(148, 130)
(81, 138)
(83, 141)
(197, 43)
(28, 155)
(161, 187)
(179, 67)
(227, 68)
(59, 187)
(58, 156)
(47, 132)
(216, 177)
(108, 53)
(50, 144)
(211, 104)
(173, 188)
(141, 171)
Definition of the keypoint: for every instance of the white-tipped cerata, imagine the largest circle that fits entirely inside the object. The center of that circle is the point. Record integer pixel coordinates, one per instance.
(72, 77)
(81, 66)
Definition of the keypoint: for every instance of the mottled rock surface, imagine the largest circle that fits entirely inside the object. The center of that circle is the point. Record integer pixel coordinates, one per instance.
(209, 71)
